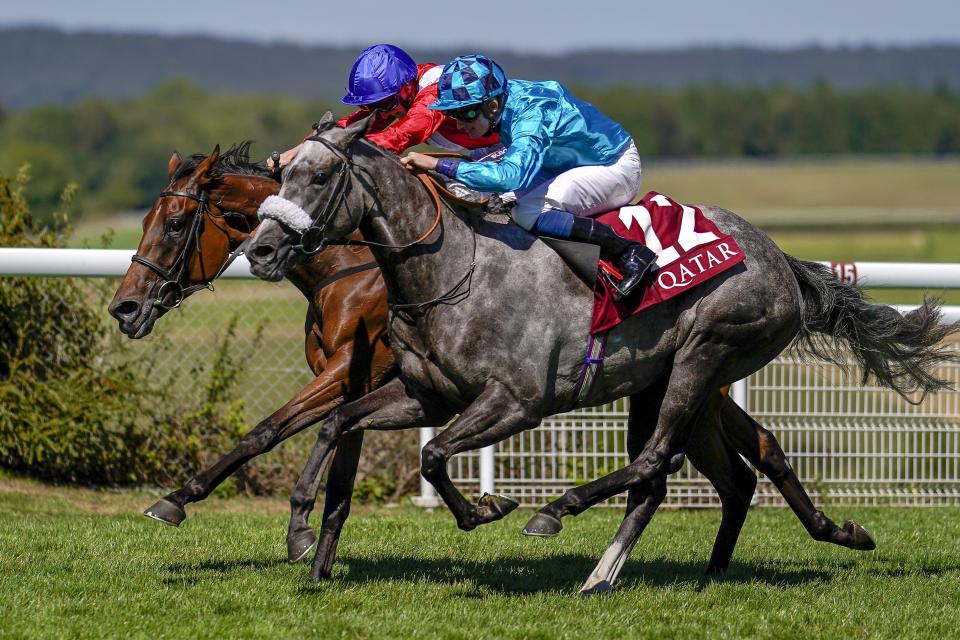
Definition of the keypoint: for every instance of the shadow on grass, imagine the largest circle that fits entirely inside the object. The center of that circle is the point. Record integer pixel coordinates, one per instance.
(557, 574)
(563, 573)
(186, 574)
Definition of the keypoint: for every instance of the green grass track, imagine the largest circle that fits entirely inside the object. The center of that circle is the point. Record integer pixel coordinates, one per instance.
(84, 564)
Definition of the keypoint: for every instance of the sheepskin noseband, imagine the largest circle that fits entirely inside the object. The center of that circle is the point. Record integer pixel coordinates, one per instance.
(285, 212)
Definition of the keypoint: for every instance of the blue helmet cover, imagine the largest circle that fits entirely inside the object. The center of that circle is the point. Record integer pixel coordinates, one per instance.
(468, 80)
(379, 72)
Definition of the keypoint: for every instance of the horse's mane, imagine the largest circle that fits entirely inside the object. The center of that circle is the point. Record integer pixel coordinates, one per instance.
(234, 160)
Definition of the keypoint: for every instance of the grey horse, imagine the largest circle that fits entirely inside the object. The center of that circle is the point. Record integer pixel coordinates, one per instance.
(489, 323)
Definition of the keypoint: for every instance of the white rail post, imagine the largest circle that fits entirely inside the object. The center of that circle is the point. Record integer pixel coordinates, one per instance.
(738, 391)
(486, 470)
(428, 495)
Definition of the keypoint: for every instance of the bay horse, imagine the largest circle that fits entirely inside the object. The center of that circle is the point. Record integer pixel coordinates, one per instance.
(340, 299)
(489, 323)
(208, 210)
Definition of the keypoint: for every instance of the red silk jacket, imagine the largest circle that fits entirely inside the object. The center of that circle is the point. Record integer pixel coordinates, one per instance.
(420, 124)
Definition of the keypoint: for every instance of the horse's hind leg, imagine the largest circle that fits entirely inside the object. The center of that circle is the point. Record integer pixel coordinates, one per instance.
(761, 448)
(637, 517)
(691, 383)
(710, 454)
(641, 505)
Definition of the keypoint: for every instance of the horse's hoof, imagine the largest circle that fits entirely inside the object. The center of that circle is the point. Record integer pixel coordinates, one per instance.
(860, 538)
(603, 586)
(166, 512)
(500, 505)
(318, 573)
(676, 463)
(542, 525)
(300, 544)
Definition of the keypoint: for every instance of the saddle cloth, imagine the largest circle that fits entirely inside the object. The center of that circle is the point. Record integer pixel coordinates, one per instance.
(690, 250)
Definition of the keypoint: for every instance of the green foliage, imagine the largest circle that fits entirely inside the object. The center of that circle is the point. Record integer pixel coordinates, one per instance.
(721, 121)
(117, 151)
(75, 404)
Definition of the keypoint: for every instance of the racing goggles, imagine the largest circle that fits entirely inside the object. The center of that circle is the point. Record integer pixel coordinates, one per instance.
(466, 114)
(388, 104)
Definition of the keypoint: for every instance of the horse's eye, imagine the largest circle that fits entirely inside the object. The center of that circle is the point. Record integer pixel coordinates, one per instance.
(174, 225)
(319, 178)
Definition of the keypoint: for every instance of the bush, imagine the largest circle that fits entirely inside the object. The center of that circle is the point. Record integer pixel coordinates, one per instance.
(78, 405)
(75, 404)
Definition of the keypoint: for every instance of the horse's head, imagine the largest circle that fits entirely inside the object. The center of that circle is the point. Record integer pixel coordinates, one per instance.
(319, 200)
(189, 233)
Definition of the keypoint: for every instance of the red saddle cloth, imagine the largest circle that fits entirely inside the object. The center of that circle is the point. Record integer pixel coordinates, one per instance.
(690, 249)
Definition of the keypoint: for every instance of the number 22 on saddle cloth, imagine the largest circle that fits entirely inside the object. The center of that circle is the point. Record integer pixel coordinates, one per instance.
(690, 250)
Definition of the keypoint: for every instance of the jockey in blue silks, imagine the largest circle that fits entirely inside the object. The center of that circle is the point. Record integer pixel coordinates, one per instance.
(564, 158)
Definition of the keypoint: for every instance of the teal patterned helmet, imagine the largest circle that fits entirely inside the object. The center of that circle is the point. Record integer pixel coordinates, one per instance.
(468, 80)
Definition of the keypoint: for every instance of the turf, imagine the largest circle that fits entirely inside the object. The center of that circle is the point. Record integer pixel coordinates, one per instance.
(79, 563)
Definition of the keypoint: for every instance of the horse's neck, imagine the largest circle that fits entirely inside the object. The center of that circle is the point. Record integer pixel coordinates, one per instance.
(243, 194)
(331, 261)
(431, 267)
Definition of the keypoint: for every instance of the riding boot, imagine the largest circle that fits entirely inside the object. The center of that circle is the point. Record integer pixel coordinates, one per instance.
(633, 259)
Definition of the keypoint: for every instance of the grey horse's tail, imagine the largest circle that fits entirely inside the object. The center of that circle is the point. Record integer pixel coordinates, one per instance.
(899, 350)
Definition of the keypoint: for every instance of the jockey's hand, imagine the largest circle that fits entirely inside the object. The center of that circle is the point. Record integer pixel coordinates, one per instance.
(414, 160)
(285, 158)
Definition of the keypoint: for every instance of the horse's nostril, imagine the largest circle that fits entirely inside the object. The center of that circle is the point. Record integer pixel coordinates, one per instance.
(124, 310)
(263, 251)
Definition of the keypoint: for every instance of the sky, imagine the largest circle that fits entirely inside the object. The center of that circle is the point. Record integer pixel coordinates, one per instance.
(555, 26)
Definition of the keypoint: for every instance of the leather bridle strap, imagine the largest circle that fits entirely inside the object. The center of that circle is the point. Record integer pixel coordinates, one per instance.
(173, 275)
(339, 195)
(343, 274)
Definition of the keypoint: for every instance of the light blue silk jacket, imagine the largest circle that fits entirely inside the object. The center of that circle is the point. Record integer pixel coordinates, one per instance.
(546, 128)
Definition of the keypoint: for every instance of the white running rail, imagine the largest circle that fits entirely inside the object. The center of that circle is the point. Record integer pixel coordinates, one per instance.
(114, 263)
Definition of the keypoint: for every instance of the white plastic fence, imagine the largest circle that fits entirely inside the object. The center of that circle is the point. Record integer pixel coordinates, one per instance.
(848, 443)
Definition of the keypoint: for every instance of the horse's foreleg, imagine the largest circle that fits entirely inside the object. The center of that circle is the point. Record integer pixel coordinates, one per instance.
(494, 416)
(389, 407)
(336, 506)
(761, 448)
(310, 405)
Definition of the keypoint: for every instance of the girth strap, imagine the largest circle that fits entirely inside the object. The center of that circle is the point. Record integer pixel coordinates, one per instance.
(343, 274)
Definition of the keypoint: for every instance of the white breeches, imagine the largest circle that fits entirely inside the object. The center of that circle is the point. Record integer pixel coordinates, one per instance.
(583, 190)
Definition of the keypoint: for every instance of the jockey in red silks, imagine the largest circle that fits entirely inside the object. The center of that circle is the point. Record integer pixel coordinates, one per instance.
(385, 79)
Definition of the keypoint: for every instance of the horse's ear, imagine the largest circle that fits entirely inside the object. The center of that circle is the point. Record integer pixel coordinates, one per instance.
(204, 171)
(343, 138)
(172, 164)
(326, 119)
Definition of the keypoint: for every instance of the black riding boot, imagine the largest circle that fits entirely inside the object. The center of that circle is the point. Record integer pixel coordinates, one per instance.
(632, 258)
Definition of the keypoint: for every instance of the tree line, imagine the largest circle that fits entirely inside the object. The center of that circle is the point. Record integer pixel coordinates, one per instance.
(116, 151)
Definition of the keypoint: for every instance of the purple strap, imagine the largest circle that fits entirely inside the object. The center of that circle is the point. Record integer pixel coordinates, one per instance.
(592, 366)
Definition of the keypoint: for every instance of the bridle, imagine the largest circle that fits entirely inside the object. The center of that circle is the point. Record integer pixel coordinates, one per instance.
(312, 240)
(173, 275)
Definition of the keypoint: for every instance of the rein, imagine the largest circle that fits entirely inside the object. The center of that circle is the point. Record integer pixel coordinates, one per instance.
(312, 240)
(454, 294)
(181, 265)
